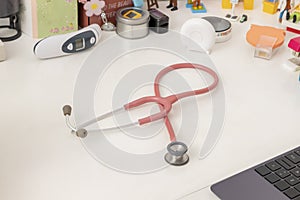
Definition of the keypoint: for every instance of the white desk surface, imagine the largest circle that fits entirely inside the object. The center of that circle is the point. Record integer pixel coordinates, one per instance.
(40, 159)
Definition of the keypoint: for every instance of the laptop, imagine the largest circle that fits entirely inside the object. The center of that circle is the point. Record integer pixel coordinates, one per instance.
(275, 179)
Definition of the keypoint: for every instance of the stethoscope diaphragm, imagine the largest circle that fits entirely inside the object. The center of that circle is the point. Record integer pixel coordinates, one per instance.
(177, 154)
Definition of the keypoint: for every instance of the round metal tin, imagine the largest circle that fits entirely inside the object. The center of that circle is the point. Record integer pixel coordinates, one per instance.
(132, 23)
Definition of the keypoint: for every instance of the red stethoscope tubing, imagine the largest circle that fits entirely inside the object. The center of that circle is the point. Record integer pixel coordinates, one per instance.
(183, 94)
(165, 103)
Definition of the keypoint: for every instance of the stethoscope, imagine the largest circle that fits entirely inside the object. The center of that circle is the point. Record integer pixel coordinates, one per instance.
(177, 151)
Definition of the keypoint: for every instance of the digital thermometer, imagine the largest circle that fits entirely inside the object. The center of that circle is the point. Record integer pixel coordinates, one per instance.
(66, 44)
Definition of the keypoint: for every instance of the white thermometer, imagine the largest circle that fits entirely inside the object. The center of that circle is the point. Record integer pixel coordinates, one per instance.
(66, 44)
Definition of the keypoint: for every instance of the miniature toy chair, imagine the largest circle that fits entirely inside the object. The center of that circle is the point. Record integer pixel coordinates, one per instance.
(294, 63)
(265, 39)
(294, 44)
(151, 3)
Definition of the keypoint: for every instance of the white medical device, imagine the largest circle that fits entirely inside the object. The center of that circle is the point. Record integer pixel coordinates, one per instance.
(66, 44)
(222, 27)
(197, 33)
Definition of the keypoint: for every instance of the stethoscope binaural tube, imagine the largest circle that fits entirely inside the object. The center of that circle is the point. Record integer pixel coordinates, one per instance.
(184, 94)
(81, 131)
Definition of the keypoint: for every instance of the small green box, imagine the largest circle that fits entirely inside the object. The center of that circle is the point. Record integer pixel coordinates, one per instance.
(42, 18)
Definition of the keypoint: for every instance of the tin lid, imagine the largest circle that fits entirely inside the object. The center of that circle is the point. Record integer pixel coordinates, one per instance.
(132, 16)
(219, 24)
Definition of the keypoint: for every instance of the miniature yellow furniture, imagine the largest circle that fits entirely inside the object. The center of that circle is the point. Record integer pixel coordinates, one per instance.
(270, 7)
(226, 4)
(248, 4)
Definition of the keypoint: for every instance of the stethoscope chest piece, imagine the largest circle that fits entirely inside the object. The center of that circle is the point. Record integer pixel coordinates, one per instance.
(177, 154)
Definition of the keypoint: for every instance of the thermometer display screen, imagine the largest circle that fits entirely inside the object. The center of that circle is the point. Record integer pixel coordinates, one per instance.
(79, 44)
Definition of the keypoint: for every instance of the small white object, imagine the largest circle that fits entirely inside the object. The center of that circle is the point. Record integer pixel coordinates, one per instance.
(232, 16)
(292, 64)
(2, 51)
(265, 47)
(70, 47)
(198, 32)
(92, 40)
(66, 44)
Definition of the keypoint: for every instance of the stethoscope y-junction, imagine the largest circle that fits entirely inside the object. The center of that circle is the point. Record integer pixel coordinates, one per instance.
(177, 151)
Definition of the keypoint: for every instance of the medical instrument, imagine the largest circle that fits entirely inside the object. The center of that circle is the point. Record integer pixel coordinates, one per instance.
(132, 23)
(2, 51)
(176, 150)
(66, 44)
(177, 154)
(222, 27)
(197, 33)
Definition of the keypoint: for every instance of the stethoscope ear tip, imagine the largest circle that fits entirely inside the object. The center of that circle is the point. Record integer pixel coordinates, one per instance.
(177, 154)
(82, 133)
(67, 109)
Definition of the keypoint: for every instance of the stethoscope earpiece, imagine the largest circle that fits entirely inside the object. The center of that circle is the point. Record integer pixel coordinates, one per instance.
(67, 109)
(82, 133)
(177, 154)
